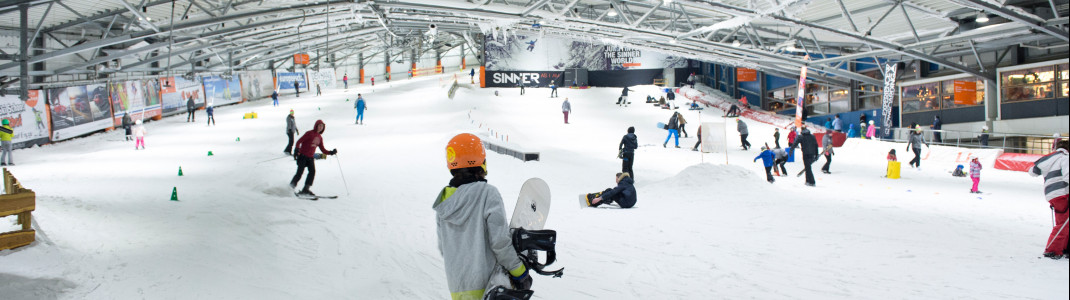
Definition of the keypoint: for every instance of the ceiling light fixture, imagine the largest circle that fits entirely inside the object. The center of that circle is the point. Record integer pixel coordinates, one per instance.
(612, 13)
(982, 17)
(736, 43)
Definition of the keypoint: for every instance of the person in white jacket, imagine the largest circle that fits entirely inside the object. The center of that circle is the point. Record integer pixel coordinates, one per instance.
(139, 134)
(566, 108)
(1056, 167)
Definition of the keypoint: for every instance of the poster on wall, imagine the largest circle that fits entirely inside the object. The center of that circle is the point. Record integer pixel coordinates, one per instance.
(285, 81)
(746, 75)
(965, 92)
(79, 110)
(324, 77)
(219, 91)
(140, 100)
(29, 119)
(257, 85)
(521, 52)
(174, 91)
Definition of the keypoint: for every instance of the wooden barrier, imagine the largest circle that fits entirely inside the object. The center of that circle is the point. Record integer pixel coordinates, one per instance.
(659, 82)
(17, 201)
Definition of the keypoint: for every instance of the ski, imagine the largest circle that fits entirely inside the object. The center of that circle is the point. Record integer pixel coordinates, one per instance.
(313, 198)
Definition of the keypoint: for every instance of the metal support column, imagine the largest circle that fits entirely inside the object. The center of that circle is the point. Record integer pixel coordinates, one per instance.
(991, 104)
(360, 66)
(386, 57)
(24, 51)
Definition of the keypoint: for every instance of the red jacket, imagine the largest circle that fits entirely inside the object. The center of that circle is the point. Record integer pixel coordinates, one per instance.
(308, 142)
(791, 137)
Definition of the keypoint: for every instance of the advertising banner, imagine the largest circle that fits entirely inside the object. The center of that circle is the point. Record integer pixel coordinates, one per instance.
(301, 59)
(79, 110)
(174, 91)
(257, 85)
(965, 92)
(800, 101)
(219, 91)
(285, 81)
(518, 52)
(526, 78)
(29, 119)
(324, 77)
(140, 100)
(886, 99)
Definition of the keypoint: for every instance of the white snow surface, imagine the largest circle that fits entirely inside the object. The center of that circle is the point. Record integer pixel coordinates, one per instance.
(107, 230)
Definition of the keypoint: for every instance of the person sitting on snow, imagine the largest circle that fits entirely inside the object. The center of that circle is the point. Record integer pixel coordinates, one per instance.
(958, 172)
(624, 194)
(733, 111)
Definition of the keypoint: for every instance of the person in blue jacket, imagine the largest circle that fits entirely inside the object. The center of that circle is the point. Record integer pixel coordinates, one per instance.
(624, 194)
(360, 106)
(851, 132)
(275, 98)
(767, 157)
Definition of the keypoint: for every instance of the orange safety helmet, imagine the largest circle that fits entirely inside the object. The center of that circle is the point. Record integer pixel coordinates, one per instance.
(465, 151)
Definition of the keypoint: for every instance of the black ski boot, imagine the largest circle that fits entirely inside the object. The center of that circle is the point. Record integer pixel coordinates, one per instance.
(306, 192)
(502, 293)
(1052, 255)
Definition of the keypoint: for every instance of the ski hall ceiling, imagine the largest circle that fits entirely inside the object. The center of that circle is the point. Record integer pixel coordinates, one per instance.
(92, 39)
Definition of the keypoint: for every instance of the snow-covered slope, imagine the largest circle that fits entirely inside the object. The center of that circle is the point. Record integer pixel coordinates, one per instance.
(106, 229)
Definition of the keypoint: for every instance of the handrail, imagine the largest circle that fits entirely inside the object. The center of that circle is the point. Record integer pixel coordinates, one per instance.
(971, 139)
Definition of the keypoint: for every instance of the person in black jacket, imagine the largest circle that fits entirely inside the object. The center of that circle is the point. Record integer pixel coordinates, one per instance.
(627, 146)
(623, 96)
(190, 108)
(623, 194)
(809, 150)
(672, 127)
(127, 124)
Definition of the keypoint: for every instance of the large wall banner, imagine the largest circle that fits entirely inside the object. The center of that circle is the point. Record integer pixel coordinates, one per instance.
(29, 119)
(257, 85)
(518, 52)
(324, 77)
(79, 110)
(525, 78)
(285, 81)
(176, 90)
(140, 100)
(219, 91)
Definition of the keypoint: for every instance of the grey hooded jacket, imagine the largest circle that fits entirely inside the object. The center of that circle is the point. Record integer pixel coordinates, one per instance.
(742, 127)
(473, 237)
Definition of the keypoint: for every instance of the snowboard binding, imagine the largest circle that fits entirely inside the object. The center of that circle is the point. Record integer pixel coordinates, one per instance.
(527, 243)
(502, 293)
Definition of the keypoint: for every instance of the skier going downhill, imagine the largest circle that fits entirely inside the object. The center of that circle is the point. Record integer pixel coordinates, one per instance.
(304, 155)
(473, 233)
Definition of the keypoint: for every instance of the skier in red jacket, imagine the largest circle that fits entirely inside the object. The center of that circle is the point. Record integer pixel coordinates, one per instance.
(305, 154)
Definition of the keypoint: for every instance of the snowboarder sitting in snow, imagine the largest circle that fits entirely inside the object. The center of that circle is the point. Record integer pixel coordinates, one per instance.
(733, 111)
(650, 99)
(958, 172)
(624, 194)
(694, 106)
(767, 157)
(304, 154)
(473, 233)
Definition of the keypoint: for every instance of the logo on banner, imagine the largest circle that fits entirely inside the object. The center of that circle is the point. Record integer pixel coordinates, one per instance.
(889, 95)
(507, 78)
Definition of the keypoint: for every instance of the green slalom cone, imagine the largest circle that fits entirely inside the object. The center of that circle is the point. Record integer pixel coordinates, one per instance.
(210, 153)
(238, 139)
(174, 194)
(179, 170)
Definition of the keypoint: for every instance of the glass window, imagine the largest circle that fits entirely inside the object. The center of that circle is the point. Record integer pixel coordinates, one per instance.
(921, 97)
(1029, 76)
(1028, 92)
(1065, 89)
(1064, 72)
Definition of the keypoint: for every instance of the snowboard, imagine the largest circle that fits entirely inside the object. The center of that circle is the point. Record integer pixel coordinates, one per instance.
(661, 125)
(532, 205)
(585, 199)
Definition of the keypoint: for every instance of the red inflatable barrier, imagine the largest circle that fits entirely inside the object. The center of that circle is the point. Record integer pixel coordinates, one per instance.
(1016, 161)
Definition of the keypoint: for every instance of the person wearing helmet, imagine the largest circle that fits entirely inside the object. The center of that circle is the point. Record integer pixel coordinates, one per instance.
(871, 131)
(473, 233)
(139, 133)
(975, 173)
(768, 158)
(5, 141)
(983, 138)
(305, 154)
(291, 130)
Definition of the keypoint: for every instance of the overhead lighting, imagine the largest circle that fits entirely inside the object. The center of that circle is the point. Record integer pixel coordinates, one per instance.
(666, 1)
(982, 17)
(736, 43)
(672, 41)
(612, 12)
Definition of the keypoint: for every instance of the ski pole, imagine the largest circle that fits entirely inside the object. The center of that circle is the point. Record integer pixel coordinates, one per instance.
(277, 158)
(1057, 233)
(339, 161)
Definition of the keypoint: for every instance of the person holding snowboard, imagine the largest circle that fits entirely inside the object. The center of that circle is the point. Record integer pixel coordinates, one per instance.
(623, 194)
(360, 106)
(305, 154)
(191, 107)
(826, 145)
(672, 126)
(127, 126)
(768, 157)
(139, 132)
(809, 149)
(566, 108)
(781, 157)
(1055, 168)
(743, 133)
(291, 129)
(473, 234)
(6, 133)
(627, 147)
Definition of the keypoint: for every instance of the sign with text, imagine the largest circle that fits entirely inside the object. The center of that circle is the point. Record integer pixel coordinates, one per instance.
(29, 119)
(965, 92)
(301, 59)
(525, 78)
(746, 75)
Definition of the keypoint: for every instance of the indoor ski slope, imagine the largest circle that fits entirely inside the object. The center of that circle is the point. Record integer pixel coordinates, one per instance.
(106, 230)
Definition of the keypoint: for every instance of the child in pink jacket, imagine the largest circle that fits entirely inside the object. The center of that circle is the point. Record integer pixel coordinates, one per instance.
(871, 131)
(975, 173)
